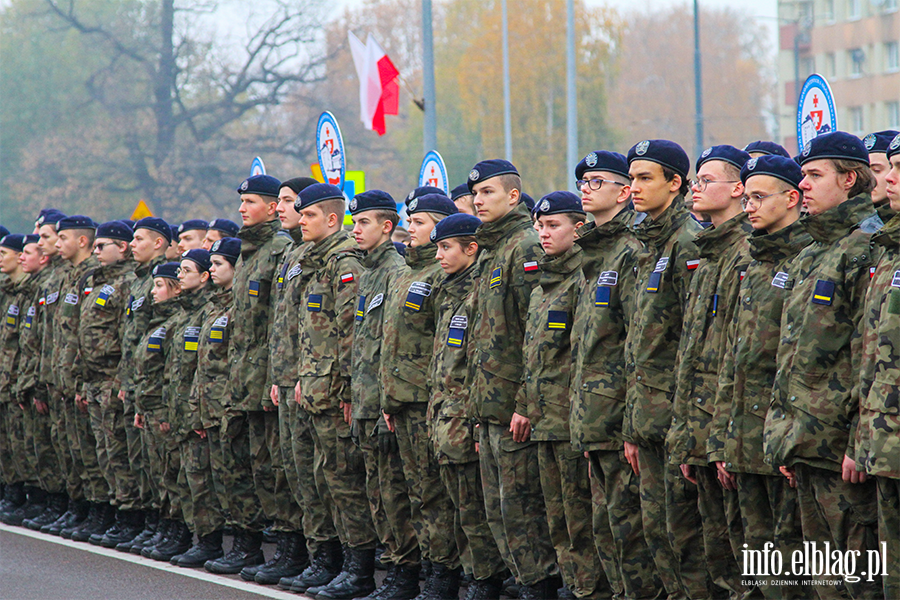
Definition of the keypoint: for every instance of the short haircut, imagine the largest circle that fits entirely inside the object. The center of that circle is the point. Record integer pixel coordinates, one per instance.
(669, 174)
(90, 234)
(387, 215)
(154, 235)
(865, 179)
(574, 217)
(335, 206)
(510, 181)
(731, 171)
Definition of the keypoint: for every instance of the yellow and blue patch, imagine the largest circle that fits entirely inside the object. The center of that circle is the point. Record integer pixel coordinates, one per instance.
(156, 339)
(715, 304)
(12, 316)
(361, 308)
(191, 339)
(29, 316)
(601, 298)
(457, 333)
(217, 331)
(654, 282)
(280, 280)
(314, 303)
(557, 319)
(824, 292)
(105, 292)
(254, 288)
(416, 294)
(496, 277)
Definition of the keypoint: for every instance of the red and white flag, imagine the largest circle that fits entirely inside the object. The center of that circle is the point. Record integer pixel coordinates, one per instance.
(379, 92)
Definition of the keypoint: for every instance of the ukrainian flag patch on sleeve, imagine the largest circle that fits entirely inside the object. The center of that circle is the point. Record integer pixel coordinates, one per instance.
(191, 339)
(457, 334)
(105, 292)
(314, 303)
(496, 277)
(557, 319)
(29, 316)
(254, 288)
(12, 316)
(824, 292)
(361, 308)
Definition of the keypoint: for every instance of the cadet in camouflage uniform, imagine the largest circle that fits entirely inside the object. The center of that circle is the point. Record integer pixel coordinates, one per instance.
(724, 256)
(877, 145)
(598, 371)
(664, 268)
(409, 326)
(811, 425)
(768, 505)
(219, 229)
(508, 271)
(252, 427)
(328, 294)
(191, 235)
(548, 359)
(877, 443)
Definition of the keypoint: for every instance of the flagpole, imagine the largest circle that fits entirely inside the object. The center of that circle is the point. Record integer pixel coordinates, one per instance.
(571, 99)
(507, 118)
(430, 126)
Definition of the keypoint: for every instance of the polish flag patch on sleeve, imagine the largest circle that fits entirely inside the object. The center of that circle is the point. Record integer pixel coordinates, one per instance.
(347, 278)
(530, 266)
(692, 264)
(871, 272)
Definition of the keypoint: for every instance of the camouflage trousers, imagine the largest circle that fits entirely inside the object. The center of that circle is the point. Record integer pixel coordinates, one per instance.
(888, 528)
(298, 457)
(514, 504)
(723, 532)
(152, 453)
(143, 500)
(11, 442)
(49, 473)
(567, 497)
(389, 499)
(236, 476)
(432, 510)
(175, 496)
(203, 513)
(344, 478)
(771, 513)
(112, 443)
(618, 530)
(272, 487)
(96, 488)
(844, 514)
(60, 441)
(29, 465)
(478, 551)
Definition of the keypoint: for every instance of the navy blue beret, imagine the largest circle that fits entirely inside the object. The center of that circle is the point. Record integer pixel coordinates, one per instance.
(372, 200)
(115, 230)
(75, 222)
(401, 248)
(319, 192)
(226, 226)
(725, 153)
(456, 225)
(602, 160)
(879, 141)
(527, 200)
(173, 231)
(168, 270)
(421, 191)
(199, 256)
(490, 168)
(556, 203)
(3, 231)
(49, 216)
(128, 222)
(894, 147)
(155, 224)
(774, 165)
(663, 152)
(263, 185)
(460, 191)
(838, 145)
(766, 148)
(31, 238)
(191, 224)
(298, 184)
(432, 203)
(229, 247)
(13, 241)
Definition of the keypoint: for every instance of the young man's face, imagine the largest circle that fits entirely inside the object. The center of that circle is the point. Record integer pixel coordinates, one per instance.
(9, 260)
(144, 245)
(770, 203)
(453, 257)
(719, 191)
(823, 187)
(314, 224)
(556, 233)
(369, 232)
(48, 236)
(607, 197)
(190, 240)
(108, 252)
(211, 237)
(892, 180)
(32, 259)
(880, 166)
(466, 204)
(221, 271)
(491, 201)
(256, 209)
(67, 244)
(190, 277)
(289, 217)
(420, 226)
(650, 191)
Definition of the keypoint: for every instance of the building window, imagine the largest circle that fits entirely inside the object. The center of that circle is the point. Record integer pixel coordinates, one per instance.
(854, 8)
(890, 5)
(828, 11)
(830, 65)
(893, 115)
(892, 56)
(808, 66)
(856, 119)
(856, 57)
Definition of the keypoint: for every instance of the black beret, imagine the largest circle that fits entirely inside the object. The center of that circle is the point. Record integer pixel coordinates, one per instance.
(75, 222)
(3, 231)
(556, 203)
(13, 241)
(226, 226)
(298, 184)
(229, 247)
(168, 270)
(527, 200)
(456, 225)
(372, 200)
(460, 191)
(490, 168)
(663, 152)
(432, 203)
(766, 148)
(155, 224)
(602, 160)
(263, 185)
(879, 141)
(894, 147)
(31, 238)
(421, 191)
(774, 165)
(725, 153)
(319, 192)
(115, 230)
(198, 256)
(191, 224)
(838, 145)
(49, 216)
(401, 248)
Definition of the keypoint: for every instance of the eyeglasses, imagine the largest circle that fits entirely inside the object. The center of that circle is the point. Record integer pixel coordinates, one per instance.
(101, 245)
(596, 183)
(183, 271)
(701, 183)
(756, 199)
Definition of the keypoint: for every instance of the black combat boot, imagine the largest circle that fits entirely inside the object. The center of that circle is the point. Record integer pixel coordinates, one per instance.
(148, 527)
(207, 548)
(343, 573)
(56, 507)
(248, 573)
(325, 566)
(360, 579)
(129, 523)
(245, 552)
(401, 583)
(13, 497)
(441, 584)
(35, 503)
(485, 589)
(294, 558)
(78, 511)
(92, 514)
(163, 529)
(179, 542)
(565, 593)
(545, 589)
(105, 518)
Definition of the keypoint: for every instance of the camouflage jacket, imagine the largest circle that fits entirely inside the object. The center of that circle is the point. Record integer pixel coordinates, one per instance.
(408, 329)
(545, 398)
(30, 336)
(327, 308)
(885, 212)
(748, 365)
(284, 336)
(605, 306)
(102, 320)
(724, 257)
(449, 409)
(261, 253)
(137, 320)
(382, 265)
(814, 410)
(181, 353)
(150, 360)
(16, 296)
(508, 271)
(209, 399)
(66, 342)
(665, 267)
(58, 272)
(877, 439)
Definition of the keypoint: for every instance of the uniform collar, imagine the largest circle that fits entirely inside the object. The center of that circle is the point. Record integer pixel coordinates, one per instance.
(649, 230)
(379, 254)
(556, 268)
(784, 243)
(104, 273)
(890, 234)
(144, 270)
(838, 222)
(194, 300)
(317, 253)
(459, 285)
(421, 256)
(591, 234)
(256, 235)
(492, 234)
(713, 240)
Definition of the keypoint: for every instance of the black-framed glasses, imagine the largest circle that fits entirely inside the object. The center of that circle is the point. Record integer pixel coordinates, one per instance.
(595, 183)
(755, 200)
(701, 183)
(99, 246)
